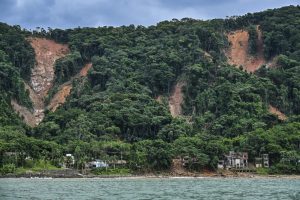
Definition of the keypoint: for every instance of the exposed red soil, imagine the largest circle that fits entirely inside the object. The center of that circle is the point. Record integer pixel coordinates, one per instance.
(65, 90)
(176, 99)
(46, 52)
(238, 53)
(85, 69)
(25, 113)
(277, 112)
(60, 97)
(42, 77)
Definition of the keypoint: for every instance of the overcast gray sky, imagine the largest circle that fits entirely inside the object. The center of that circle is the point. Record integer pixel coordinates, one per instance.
(74, 13)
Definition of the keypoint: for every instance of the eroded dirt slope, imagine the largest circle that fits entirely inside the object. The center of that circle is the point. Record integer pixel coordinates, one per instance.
(238, 55)
(60, 97)
(65, 90)
(46, 52)
(238, 52)
(176, 99)
(24, 113)
(42, 77)
(177, 168)
(278, 113)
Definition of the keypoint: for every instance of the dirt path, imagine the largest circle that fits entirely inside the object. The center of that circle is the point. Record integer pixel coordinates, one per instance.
(277, 112)
(176, 99)
(238, 53)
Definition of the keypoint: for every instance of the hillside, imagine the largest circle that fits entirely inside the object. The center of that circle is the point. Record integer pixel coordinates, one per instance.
(239, 54)
(150, 95)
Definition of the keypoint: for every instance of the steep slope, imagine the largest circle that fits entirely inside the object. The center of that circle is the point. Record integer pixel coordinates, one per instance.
(176, 99)
(24, 113)
(47, 52)
(60, 97)
(277, 112)
(65, 89)
(238, 53)
(42, 76)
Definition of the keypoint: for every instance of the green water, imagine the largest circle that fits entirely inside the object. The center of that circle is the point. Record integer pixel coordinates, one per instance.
(189, 188)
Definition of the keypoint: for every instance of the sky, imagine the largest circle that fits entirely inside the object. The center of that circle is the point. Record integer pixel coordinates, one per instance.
(93, 13)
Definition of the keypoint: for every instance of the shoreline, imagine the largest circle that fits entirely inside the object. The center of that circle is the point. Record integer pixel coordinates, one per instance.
(149, 176)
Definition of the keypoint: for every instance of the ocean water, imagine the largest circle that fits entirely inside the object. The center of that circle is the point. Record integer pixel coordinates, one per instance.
(151, 188)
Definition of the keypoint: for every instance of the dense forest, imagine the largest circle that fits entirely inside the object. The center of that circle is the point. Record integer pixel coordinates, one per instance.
(120, 110)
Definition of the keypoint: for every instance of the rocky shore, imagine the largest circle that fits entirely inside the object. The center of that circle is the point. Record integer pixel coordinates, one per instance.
(70, 173)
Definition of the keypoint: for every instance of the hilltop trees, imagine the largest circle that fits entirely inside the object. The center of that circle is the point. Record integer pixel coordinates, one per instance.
(113, 112)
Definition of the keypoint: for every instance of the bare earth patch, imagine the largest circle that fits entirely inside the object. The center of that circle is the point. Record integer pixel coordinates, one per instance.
(65, 90)
(277, 112)
(85, 69)
(60, 97)
(46, 52)
(42, 77)
(176, 99)
(238, 53)
(24, 113)
(177, 169)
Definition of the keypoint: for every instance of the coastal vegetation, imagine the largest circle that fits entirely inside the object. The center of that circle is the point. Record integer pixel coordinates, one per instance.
(114, 113)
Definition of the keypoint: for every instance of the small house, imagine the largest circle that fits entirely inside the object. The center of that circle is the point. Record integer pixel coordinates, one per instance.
(97, 164)
(117, 163)
(221, 164)
(262, 161)
(235, 160)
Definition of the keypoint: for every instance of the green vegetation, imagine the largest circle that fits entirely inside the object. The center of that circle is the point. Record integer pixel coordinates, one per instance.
(112, 113)
(16, 60)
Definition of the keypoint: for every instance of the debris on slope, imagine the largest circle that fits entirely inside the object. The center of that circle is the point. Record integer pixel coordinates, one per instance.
(238, 53)
(85, 69)
(277, 112)
(65, 90)
(46, 52)
(177, 168)
(42, 77)
(24, 113)
(60, 97)
(176, 99)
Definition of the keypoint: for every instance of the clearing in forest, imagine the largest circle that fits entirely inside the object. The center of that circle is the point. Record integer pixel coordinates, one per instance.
(42, 77)
(65, 89)
(238, 53)
(277, 112)
(42, 80)
(176, 99)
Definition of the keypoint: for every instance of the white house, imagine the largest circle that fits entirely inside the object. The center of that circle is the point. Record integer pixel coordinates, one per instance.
(98, 164)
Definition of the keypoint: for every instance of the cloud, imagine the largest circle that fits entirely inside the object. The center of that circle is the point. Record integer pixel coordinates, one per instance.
(74, 13)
